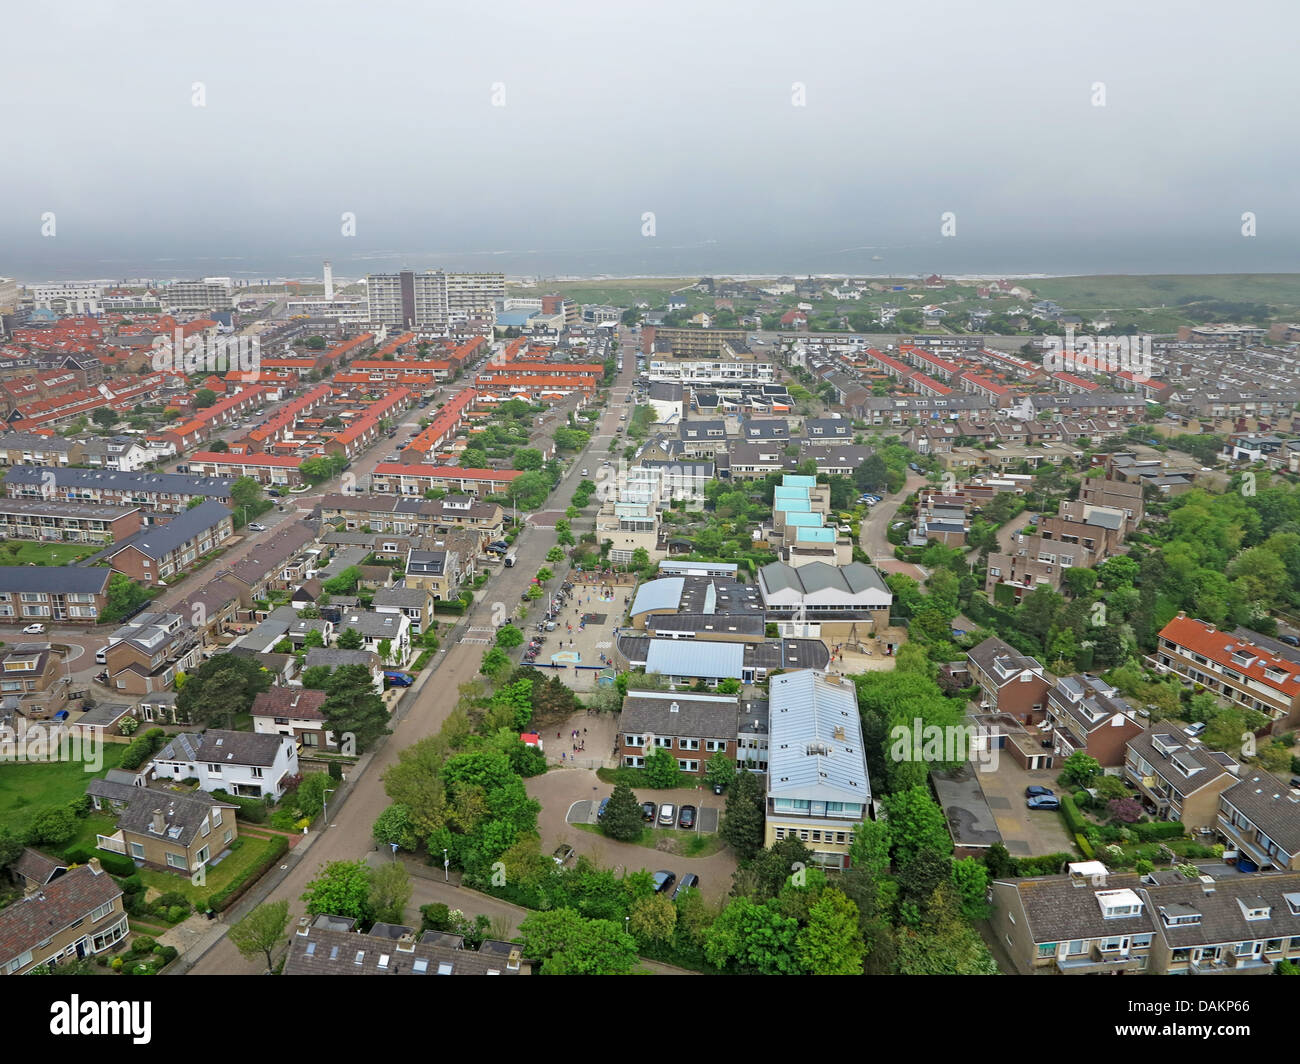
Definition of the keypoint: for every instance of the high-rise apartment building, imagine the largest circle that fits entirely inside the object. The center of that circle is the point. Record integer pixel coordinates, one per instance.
(433, 299)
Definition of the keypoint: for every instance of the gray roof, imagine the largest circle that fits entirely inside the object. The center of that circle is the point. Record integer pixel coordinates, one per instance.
(322, 949)
(852, 579)
(662, 594)
(115, 480)
(34, 441)
(678, 657)
(226, 747)
(104, 714)
(334, 657)
(62, 508)
(57, 579)
(815, 751)
(679, 713)
(1271, 807)
(158, 541)
(182, 814)
(401, 596)
(1186, 764)
(372, 625)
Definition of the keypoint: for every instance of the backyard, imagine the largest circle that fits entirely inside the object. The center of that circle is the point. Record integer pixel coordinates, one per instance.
(27, 788)
(246, 852)
(25, 552)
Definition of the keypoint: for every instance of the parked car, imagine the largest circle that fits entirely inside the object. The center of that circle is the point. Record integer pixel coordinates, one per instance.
(663, 880)
(272, 493)
(1044, 801)
(1192, 731)
(254, 526)
(648, 812)
(690, 881)
(686, 818)
(34, 629)
(1035, 790)
(604, 804)
(398, 679)
(562, 854)
(667, 815)
(1289, 640)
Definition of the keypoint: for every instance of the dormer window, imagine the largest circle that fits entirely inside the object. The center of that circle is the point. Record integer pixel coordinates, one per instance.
(1255, 908)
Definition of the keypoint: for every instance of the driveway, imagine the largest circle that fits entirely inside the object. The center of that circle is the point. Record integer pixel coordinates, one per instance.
(874, 532)
(1025, 832)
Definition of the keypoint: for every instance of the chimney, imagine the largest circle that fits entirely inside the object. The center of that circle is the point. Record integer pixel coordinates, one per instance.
(158, 825)
(95, 868)
(304, 925)
(406, 944)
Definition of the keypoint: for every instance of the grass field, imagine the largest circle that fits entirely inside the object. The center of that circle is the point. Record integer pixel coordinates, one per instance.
(26, 788)
(24, 552)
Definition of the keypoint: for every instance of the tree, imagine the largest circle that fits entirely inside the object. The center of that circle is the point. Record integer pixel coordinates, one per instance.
(528, 458)
(495, 663)
(315, 343)
(219, 446)
(204, 397)
(753, 938)
(104, 417)
(246, 492)
(316, 677)
(341, 888)
(569, 944)
(1079, 770)
(390, 890)
(661, 769)
(509, 637)
(351, 639)
(831, 943)
(916, 821)
(555, 555)
(622, 820)
(122, 597)
(261, 931)
(743, 818)
(394, 826)
(719, 770)
(352, 707)
(52, 827)
(653, 919)
(221, 688)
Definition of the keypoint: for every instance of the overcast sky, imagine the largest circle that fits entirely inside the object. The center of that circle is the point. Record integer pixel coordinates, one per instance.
(385, 109)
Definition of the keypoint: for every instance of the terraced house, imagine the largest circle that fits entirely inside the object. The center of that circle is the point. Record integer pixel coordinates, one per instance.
(1177, 778)
(1092, 922)
(1238, 670)
(64, 594)
(153, 554)
(67, 522)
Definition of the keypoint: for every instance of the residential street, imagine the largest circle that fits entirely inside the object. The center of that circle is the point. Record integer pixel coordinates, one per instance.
(421, 713)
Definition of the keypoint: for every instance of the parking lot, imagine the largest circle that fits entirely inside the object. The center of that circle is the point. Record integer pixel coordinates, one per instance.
(1025, 832)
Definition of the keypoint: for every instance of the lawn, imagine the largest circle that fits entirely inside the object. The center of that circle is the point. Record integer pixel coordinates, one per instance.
(685, 843)
(25, 552)
(220, 876)
(26, 788)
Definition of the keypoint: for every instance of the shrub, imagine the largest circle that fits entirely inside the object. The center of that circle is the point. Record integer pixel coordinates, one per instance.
(1085, 847)
(224, 898)
(131, 885)
(1158, 830)
(142, 944)
(115, 863)
(1073, 820)
(77, 855)
(177, 913)
(172, 898)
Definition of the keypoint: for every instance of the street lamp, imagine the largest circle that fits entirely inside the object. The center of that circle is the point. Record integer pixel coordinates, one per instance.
(446, 865)
(325, 809)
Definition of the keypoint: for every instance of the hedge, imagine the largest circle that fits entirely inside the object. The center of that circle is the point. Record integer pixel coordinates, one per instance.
(1048, 865)
(1073, 819)
(115, 863)
(1085, 847)
(1158, 830)
(223, 899)
(250, 809)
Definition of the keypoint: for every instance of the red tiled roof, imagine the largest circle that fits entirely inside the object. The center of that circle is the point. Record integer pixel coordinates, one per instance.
(1202, 638)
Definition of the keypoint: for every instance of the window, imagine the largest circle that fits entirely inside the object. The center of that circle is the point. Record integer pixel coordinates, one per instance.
(177, 860)
(137, 850)
(101, 912)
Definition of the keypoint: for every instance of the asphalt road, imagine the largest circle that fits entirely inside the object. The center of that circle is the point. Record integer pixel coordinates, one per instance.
(348, 835)
(874, 534)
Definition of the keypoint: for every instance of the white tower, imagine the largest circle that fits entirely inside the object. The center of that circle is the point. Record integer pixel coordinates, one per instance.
(329, 282)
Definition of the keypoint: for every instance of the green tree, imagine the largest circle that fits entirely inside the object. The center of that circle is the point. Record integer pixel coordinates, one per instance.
(509, 637)
(352, 707)
(569, 944)
(1079, 770)
(341, 888)
(528, 458)
(661, 769)
(622, 820)
(220, 689)
(351, 639)
(261, 931)
(555, 555)
(105, 417)
(394, 826)
(753, 938)
(743, 818)
(653, 919)
(719, 770)
(52, 827)
(389, 892)
(831, 943)
(916, 821)
(122, 597)
(204, 397)
(316, 677)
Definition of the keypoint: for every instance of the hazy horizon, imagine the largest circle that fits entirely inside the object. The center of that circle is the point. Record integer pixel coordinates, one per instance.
(533, 140)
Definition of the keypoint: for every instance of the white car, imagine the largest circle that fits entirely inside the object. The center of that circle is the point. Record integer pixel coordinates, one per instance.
(34, 629)
(253, 526)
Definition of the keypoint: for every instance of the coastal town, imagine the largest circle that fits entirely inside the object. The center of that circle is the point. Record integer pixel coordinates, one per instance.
(447, 623)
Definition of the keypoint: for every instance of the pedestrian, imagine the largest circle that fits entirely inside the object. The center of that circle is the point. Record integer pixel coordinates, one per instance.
(584, 730)
(561, 755)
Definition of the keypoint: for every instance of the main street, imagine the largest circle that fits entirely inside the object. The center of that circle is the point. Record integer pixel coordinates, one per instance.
(348, 834)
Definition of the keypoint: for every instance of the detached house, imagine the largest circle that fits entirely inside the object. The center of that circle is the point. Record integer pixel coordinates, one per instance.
(177, 832)
(437, 571)
(293, 711)
(74, 916)
(240, 763)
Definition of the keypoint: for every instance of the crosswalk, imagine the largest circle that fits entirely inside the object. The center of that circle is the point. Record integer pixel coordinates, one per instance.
(476, 640)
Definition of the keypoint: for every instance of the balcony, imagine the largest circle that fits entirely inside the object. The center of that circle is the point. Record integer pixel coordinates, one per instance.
(1232, 965)
(1098, 961)
(114, 843)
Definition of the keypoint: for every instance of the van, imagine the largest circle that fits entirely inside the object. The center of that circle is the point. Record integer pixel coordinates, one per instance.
(510, 560)
(101, 656)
